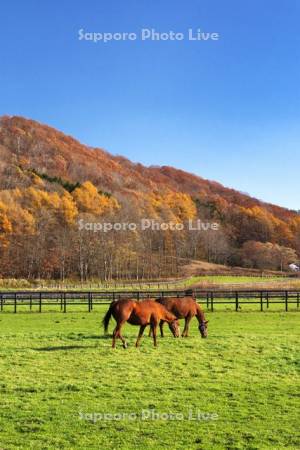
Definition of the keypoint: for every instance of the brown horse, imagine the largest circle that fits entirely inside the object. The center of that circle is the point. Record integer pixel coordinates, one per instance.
(143, 313)
(184, 308)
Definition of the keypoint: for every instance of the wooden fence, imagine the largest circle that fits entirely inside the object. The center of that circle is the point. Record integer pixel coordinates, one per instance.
(63, 300)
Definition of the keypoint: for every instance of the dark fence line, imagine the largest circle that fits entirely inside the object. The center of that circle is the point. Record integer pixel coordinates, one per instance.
(11, 301)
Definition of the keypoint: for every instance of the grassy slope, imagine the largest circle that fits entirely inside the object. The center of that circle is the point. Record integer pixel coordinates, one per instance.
(54, 366)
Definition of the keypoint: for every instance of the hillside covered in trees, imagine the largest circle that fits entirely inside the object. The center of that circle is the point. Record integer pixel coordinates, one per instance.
(49, 182)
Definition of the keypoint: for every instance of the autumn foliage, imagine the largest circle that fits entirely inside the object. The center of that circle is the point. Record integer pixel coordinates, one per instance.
(49, 181)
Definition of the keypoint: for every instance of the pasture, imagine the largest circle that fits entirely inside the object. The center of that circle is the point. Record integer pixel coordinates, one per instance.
(204, 281)
(59, 374)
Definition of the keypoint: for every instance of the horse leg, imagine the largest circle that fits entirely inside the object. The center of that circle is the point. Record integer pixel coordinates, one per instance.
(117, 334)
(186, 326)
(161, 324)
(142, 328)
(153, 326)
(122, 339)
(161, 327)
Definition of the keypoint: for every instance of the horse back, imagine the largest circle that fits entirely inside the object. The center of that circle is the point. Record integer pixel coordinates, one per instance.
(180, 307)
(151, 309)
(122, 309)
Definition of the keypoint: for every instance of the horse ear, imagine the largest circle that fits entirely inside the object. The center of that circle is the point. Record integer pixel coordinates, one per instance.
(206, 322)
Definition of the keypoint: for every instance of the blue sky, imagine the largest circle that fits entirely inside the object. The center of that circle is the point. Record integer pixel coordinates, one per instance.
(227, 110)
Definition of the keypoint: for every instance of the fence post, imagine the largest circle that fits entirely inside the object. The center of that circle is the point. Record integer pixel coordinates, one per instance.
(236, 301)
(1, 298)
(267, 297)
(261, 301)
(207, 300)
(212, 302)
(65, 303)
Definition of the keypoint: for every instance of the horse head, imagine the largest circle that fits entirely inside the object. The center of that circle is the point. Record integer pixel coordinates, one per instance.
(174, 326)
(203, 328)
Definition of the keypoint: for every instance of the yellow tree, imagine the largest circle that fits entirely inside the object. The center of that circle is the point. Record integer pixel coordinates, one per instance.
(89, 200)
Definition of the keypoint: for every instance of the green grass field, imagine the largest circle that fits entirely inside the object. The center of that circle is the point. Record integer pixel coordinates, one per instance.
(231, 279)
(57, 375)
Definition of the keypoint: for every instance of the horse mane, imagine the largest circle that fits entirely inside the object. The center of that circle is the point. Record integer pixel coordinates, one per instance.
(170, 316)
(200, 313)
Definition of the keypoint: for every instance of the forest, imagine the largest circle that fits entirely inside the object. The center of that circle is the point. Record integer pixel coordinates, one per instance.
(49, 182)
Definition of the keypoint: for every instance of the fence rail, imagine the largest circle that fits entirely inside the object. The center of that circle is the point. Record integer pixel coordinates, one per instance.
(62, 300)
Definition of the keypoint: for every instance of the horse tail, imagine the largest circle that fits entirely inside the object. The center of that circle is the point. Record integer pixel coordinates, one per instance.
(107, 318)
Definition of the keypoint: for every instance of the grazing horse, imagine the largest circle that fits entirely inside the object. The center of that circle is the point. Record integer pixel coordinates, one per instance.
(143, 313)
(184, 308)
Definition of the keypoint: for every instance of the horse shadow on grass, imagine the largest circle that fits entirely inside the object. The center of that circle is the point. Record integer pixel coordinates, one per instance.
(62, 348)
(95, 336)
(72, 347)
